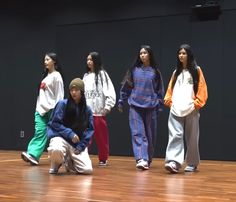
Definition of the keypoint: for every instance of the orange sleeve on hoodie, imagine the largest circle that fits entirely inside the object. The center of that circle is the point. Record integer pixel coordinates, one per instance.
(200, 98)
(202, 94)
(168, 95)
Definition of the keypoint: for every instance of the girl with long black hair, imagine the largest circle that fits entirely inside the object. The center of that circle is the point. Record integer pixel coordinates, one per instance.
(143, 87)
(186, 94)
(50, 91)
(101, 97)
(70, 130)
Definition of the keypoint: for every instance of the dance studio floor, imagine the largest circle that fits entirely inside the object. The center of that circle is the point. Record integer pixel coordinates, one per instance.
(119, 181)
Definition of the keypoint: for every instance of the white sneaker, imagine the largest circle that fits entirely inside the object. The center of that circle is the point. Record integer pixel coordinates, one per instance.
(190, 168)
(171, 166)
(28, 158)
(54, 170)
(142, 165)
(102, 163)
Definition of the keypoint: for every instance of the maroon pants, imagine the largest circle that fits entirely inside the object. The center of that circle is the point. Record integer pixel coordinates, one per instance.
(101, 137)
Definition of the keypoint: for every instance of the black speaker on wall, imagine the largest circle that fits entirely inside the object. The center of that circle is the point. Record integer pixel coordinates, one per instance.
(210, 10)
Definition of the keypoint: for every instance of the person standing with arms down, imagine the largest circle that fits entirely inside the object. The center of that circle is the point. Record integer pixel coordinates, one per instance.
(70, 130)
(101, 97)
(50, 91)
(186, 94)
(143, 87)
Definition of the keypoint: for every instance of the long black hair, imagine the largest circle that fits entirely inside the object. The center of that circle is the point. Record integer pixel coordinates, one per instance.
(76, 115)
(191, 66)
(97, 67)
(128, 78)
(58, 68)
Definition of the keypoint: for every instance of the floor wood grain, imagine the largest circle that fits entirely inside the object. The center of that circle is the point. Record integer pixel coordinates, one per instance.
(119, 181)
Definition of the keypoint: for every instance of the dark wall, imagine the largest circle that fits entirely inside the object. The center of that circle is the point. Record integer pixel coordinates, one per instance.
(116, 30)
(26, 32)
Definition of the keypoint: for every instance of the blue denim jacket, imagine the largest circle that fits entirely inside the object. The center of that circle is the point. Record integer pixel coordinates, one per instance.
(56, 127)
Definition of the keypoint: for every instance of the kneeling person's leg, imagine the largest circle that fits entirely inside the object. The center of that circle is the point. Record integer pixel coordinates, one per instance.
(82, 162)
(56, 153)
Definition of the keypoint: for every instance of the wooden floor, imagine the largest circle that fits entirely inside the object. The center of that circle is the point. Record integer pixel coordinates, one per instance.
(120, 181)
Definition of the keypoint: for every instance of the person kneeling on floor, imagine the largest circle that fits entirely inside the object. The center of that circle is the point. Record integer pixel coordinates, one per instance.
(70, 129)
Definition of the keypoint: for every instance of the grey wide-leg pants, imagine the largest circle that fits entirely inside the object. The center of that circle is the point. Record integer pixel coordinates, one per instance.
(180, 127)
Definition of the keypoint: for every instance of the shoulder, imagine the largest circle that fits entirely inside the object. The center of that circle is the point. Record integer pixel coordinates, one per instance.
(174, 71)
(89, 75)
(103, 72)
(135, 69)
(57, 75)
(199, 69)
(86, 74)
(157, 70)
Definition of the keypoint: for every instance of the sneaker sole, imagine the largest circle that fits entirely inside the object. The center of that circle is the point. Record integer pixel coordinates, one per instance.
(53, 172)
(33, 163)
(102, 165)
(24, 158)
(188, 171)
(171, 170)
(142, 167)
(27, 159)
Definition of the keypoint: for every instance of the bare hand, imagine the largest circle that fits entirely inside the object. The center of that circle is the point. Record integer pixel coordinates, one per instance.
(75, 139)
(120, 109)
(76, 151)
(106, 111)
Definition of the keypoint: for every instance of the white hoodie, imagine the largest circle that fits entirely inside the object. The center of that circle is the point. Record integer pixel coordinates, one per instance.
(101, 97)
(183, 95)
(51, 93)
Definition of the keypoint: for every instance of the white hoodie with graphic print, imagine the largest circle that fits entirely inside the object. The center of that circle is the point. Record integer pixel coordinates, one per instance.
(102, 96)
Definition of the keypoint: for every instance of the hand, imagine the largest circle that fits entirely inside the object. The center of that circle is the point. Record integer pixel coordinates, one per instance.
(120, 108)
(106, 111)
(75, 139)
(76, 151)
